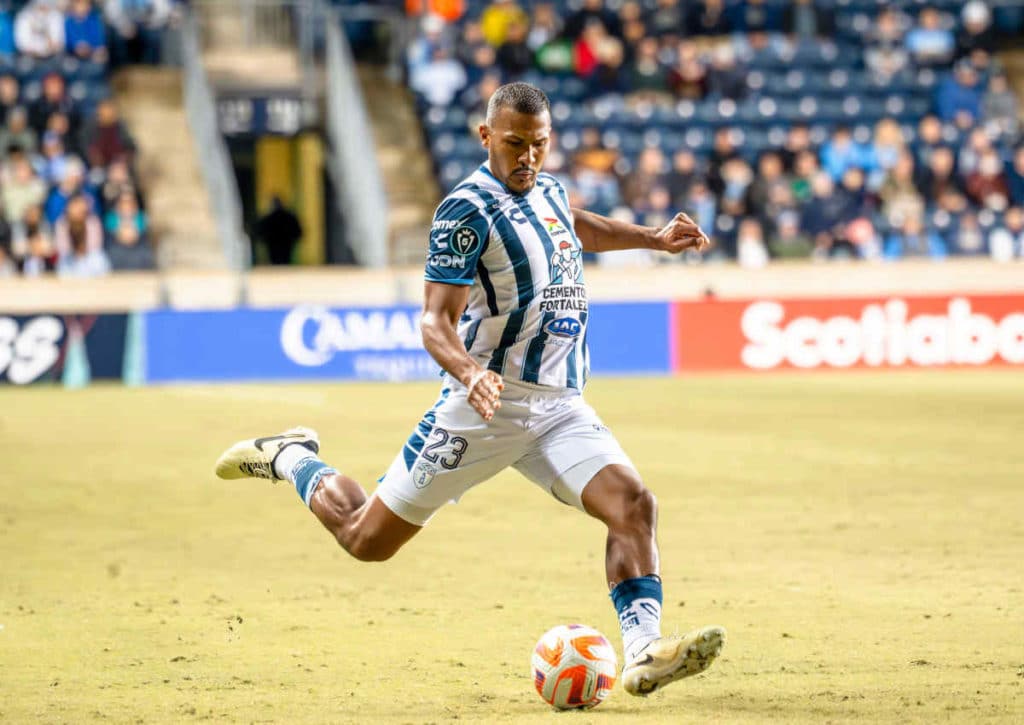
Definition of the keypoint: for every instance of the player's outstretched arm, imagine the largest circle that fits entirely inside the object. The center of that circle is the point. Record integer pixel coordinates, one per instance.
(600, 234)
(442, 306)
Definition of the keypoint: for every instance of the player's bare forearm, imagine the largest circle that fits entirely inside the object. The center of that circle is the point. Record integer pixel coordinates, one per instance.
(442, 306)
(601, 234)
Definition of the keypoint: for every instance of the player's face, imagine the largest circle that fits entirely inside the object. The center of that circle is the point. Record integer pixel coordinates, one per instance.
(517, 144)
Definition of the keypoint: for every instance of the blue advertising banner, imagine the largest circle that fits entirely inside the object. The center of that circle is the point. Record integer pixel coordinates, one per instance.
(312, 342)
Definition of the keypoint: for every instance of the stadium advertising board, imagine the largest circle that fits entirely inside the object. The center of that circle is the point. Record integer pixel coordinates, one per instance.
(312, 342)
(69, 348)
(870, 332)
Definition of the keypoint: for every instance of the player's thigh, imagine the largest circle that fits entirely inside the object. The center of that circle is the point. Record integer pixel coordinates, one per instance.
(573, 449)
(451, 450)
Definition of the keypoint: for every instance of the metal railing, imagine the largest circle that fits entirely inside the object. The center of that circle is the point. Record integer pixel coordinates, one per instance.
(352, 159)
(212, 152)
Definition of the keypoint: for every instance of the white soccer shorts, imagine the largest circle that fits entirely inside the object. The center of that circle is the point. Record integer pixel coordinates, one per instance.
(553, 437)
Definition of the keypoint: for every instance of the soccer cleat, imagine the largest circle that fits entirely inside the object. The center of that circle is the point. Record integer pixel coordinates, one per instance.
(669, 659)
(255, 458)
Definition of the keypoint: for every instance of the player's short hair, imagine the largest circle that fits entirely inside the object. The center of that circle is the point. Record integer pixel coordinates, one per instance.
(520, 97)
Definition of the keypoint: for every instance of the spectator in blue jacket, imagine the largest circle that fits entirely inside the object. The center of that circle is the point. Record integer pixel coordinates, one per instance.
(7, 49)
(913, 240)
(929, 42)
(841, 152)
(958, 97)
(84, 34)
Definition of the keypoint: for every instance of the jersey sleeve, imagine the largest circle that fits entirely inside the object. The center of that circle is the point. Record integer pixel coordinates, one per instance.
(458, 237)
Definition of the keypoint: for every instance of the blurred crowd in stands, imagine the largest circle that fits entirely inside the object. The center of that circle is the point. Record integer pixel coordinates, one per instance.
(841, 129)
(70, 201)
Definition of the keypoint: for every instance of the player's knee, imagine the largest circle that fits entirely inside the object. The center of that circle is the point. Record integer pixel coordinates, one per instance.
(641, 506)
(369, 548)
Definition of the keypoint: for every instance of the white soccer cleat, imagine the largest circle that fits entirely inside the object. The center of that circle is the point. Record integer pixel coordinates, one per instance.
(669, 659)
(255, 458)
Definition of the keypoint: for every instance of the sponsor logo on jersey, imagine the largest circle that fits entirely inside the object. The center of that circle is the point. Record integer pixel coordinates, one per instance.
(555, 227)
(447, 261)
(464, 241)
(564, 327)
(566, 264)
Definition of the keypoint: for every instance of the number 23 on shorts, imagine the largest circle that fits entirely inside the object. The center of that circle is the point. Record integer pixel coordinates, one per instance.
(449, 459)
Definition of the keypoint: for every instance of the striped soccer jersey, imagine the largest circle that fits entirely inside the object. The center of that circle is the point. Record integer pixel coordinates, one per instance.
(527, 313)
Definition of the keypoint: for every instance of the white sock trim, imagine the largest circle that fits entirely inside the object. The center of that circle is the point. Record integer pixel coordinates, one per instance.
(290, 457)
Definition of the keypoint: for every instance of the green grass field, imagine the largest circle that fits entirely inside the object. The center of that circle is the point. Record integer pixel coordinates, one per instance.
(860, 536)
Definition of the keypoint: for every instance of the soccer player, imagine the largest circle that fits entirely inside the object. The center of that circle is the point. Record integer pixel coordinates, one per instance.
(505, 316)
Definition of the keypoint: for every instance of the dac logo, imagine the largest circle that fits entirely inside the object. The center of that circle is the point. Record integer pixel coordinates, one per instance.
(564, 327)
(29, 352)
(883, 334)
(311, 335)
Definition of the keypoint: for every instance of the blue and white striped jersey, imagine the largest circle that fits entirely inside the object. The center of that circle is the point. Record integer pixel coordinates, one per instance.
(527, 313)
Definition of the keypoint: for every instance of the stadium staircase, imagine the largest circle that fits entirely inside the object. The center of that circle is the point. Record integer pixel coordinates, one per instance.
(151, 103)
(405, 164)
(1013, 61)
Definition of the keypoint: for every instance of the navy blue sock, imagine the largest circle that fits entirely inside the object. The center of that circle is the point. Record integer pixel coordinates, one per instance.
(638, 603)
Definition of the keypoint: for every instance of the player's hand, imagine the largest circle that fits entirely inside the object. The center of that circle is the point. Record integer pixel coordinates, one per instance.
(484, 391)
(680, 234)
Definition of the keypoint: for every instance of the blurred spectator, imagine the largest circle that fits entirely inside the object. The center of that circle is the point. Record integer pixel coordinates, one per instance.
(646, 74)
(1006, 241)
(967, 238)
(54, 159)
(21, 188)
(138, 27)
(976, 32)
(7, 48)
(750, 247)
(708, 17)
(78, 237)
(666, 18)
(440, 80)
(587, 49)
(841, 152)
(1015, 176)
(788, 240)
(497, 17)
(84, 34)
(805, 20)
(929, 42)
(736, 177)
(594, 181)
(53, 99)
(71, 184)
(514, 55)
(700, 204)
(986, 185)
(977, 144)
(127, 242)
(106, 138)
(824, 215)
(805, 168)
(911, 239)
(118, 181)
(655, 208)
(757, 17)
(939, 176)
(898, 193)
(634, 29)
(885, 148)
(421, 49)
(10, 91)
(474, 99)
(723, 150)
(592, 11)
(857, 202)
(725, 78)
(32, 243)
(688, 78)
(7, 266)
(545, 27)
(798, 140)
(959, 95)
(929, 138)
(650, 172)
(17, 134)
(683, 174)
(608, 75)
(770, 175)
(448, 10)
(999, 106)
(39, 29)
(885, 54)
(280, 230)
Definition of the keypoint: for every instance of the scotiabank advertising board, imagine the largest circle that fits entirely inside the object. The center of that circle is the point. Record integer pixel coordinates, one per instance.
(870, 332)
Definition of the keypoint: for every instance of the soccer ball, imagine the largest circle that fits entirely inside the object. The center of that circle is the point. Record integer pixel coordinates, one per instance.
(574, 667)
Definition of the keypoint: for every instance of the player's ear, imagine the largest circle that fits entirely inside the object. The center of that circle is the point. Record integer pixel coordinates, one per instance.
(485, 135)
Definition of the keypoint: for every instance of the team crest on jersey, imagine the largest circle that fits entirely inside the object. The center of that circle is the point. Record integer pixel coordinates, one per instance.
(566, 264)
(464, 241)
(423, 474)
